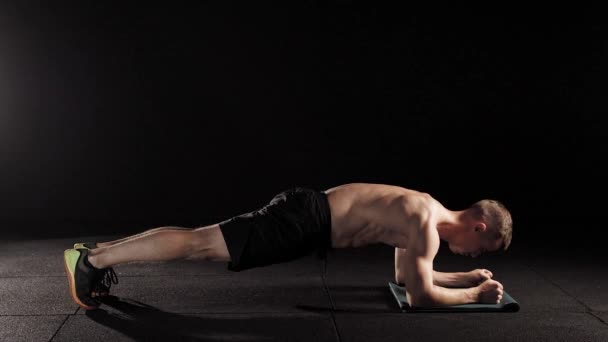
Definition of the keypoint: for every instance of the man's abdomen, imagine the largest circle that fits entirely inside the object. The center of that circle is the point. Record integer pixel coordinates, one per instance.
(363, 214)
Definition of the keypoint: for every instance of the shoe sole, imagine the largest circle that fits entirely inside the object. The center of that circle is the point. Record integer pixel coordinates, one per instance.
(72, 256)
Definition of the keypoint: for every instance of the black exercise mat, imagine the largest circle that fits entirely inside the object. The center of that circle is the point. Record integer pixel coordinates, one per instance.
(507, 304)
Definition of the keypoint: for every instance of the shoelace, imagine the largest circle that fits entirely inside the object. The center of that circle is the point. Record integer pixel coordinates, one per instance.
(108, 278)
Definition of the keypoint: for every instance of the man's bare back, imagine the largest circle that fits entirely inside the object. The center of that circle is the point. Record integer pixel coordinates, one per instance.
(365, 213)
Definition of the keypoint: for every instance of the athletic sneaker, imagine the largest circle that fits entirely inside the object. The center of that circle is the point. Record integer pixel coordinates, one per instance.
(103, 287)
(83, 278)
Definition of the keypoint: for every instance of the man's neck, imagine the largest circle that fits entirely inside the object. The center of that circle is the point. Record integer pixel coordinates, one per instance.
(449, 223)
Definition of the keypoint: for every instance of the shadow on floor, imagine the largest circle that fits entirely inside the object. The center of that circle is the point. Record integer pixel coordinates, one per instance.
(143, 322)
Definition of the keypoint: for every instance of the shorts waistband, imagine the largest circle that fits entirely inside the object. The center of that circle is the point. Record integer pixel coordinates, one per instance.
(324, 214)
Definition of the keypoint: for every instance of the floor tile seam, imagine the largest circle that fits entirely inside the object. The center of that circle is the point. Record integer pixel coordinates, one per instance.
(592, 313)
(331, 300)
(588, 309)
(61, 326)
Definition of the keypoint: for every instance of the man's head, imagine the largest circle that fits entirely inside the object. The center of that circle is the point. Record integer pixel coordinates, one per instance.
(487, 227)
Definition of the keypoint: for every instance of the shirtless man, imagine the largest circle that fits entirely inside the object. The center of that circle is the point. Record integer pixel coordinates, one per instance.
(299, 221)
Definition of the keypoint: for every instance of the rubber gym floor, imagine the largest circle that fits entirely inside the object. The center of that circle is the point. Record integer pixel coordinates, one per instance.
(562, 298)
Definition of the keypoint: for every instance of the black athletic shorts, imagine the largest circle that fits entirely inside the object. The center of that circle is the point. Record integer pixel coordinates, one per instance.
(296, 223)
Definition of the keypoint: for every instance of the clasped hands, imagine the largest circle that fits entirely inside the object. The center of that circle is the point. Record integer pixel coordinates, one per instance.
(487, 289)
(474, 278)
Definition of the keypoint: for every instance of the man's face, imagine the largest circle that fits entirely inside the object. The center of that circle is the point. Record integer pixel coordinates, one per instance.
(472, 243)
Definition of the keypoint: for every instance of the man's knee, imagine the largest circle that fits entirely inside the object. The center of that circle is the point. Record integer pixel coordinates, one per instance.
(207, 243)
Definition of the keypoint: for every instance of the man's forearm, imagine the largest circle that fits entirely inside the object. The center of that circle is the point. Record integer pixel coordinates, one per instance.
(444, 279)
(440, 279)
(441, 296)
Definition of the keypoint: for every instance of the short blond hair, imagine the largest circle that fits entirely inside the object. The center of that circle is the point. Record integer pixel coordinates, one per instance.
(498, 219)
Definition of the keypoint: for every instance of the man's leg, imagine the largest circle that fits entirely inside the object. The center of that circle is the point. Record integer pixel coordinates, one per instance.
(110, 243)
(205, 243)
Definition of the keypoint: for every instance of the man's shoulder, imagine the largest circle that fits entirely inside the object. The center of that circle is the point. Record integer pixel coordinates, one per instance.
(423, 216)
(419, 205)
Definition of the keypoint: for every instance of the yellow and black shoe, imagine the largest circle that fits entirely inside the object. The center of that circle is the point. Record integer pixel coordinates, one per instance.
(85, 280)
(103, 287)
(82, 277)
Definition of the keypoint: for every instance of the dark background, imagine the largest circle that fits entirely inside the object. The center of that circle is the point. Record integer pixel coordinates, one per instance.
(120, 118)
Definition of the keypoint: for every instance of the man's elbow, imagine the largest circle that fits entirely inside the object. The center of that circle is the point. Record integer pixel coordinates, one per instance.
(422, 299)
(399, 279)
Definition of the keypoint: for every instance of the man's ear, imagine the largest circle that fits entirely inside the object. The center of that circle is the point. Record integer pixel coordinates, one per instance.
(480, 227)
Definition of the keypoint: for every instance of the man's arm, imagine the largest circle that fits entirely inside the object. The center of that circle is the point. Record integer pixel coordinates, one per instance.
(418, 260)
(445, 279)
(450, 279)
